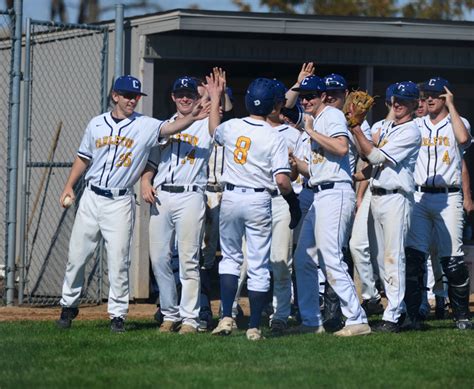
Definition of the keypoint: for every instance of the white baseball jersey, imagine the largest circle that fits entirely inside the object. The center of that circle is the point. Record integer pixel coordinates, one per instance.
(303, 152)
(353, 153)
(400, 145)
(118, 151)
(439, 161)
(324, 166)
(254, 153)
(215, 168)
(291, 136)
(183, 157)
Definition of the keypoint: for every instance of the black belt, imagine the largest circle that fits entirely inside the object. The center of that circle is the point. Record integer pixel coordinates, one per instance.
(214, 188)
(179, 189)
(232, 187)
(382, 191)
(319, 188)
(106, 192)
(429, 189)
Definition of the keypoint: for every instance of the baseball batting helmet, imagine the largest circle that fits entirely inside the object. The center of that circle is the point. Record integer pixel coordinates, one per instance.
(311, 84)
(280, 91)
(335, 81)
(435, 84)
(260, 97)
(406, 90)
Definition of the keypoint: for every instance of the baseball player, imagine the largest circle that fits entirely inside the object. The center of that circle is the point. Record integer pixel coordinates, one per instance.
(392, 186)
(114, 148)
(281, 260)
(327, 222)
(178, 207)
(336, 93)
(438, 203)
(363, 234)
(256, 158)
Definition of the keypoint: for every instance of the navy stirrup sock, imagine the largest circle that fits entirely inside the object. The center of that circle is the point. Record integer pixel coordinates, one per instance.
(257, 303)
(229, 285)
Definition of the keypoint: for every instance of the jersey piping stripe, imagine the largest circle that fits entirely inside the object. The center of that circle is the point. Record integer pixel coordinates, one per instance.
(253, 124)
(105, 163)
(339, 134)
(84, 155)
(115, 152)
(281, 169)
(429, 156)
(283, 129)
(389, 157)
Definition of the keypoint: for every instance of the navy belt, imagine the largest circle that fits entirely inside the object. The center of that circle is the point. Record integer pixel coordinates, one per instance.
(319, 188)
(214, 188)
(107, 192)
(429, 189)
(382, 191)
(258, 190)
(179, 189)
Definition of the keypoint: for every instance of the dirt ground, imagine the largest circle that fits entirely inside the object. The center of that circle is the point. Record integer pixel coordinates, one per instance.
(91, 312)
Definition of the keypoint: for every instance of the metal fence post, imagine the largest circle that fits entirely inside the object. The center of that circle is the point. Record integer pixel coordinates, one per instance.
(24, 158)
(14, 127)
(118, 40)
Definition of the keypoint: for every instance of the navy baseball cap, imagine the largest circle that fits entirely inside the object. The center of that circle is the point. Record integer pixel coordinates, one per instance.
(406, 90)
(185, 83)
(335, 81)
(435, 84)
(229, 92)
(295, 114)
(280, 91)
(311, 84)
(389, 92)
(128, 84)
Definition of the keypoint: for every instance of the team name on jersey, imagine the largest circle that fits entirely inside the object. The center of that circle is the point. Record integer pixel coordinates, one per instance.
(318, 155)
(115, 141)
(191, 139)
(436, 141)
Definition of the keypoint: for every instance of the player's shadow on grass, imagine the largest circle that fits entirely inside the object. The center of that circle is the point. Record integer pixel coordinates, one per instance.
(141, 326)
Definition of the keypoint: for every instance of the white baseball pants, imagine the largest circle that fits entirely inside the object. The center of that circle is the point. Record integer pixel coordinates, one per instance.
(391, 214)
(246, 213)
(113, 219)
(361, 249)
(181, 214)
(281, 259)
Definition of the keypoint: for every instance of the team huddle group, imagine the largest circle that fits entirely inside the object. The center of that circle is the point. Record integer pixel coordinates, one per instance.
(301, 187)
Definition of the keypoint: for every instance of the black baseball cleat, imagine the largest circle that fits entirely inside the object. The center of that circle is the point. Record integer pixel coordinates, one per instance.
(464, 324)
(386, 327)
(372, 307)
(117, 325)
(66, 318)
(441, 308)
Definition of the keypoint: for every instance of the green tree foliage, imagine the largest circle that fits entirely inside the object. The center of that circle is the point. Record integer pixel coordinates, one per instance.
(421, 9)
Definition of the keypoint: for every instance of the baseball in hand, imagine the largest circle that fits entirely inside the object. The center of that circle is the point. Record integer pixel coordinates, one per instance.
(67, 202)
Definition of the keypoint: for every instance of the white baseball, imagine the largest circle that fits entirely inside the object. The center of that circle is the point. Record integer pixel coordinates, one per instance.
(67, 201)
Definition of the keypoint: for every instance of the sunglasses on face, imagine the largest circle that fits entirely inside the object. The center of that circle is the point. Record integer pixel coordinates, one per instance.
(181, 95)
(310, 96)
(433, 95)
(130, 95)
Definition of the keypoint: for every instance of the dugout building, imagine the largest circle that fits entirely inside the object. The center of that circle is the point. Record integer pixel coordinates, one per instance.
(370, 52)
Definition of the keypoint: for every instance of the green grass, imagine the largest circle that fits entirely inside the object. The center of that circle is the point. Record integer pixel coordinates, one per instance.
(36, 354)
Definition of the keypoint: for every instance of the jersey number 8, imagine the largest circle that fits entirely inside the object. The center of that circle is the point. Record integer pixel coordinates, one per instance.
(242, 148)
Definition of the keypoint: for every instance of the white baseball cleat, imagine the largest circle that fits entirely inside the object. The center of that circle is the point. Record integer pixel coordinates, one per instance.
(224, 327)
(254, 334)
(354, 330)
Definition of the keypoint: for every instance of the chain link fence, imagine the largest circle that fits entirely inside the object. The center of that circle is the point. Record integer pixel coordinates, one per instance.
(67, 88)
(7, 25)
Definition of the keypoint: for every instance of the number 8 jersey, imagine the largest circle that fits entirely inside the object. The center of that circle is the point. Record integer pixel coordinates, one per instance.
(254, 153)
(440, 158)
